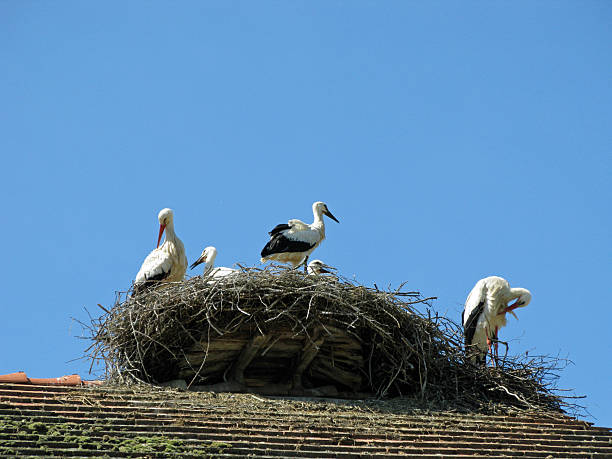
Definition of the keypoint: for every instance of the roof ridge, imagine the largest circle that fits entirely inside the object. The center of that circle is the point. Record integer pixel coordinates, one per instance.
(20, 377)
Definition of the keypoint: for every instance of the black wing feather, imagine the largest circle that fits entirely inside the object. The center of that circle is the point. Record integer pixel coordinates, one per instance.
(150, 281)
(469, 329)
(278, 228)
(280, 244)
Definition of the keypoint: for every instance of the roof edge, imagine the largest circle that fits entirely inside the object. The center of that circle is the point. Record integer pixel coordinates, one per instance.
(21, 377)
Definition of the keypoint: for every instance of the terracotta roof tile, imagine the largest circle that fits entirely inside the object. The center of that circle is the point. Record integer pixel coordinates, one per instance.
(19, 377)
(69, 380)
(143, 421)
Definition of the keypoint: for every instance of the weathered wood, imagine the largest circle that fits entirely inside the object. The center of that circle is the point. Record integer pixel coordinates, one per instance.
(350, 360)
(323, 369)
(284, 347)
(233, 343)
(247, 354)
(276, 362)
(309, 352)
(196, 360)
(336, 332)
(347, 343)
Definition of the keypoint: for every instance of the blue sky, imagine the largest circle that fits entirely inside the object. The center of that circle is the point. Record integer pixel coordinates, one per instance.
(453, 140)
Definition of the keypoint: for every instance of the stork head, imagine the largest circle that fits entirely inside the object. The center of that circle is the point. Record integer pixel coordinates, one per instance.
(523, 297)
(207, 255)
(165, 218)
(318, 267)
(320, 208)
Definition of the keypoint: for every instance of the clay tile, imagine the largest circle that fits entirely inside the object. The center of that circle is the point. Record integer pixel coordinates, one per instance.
(69, 380)
(20, 377)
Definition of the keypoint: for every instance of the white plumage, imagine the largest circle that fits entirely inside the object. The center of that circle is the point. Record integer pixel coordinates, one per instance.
(167, 262)
(208, 257)
(295, 241)
(485, 313)
(316, 267)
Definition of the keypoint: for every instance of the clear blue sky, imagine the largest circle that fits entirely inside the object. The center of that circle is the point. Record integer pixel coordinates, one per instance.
(453, 140)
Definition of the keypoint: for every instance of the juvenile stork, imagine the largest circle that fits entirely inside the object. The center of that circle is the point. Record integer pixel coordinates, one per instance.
(208, 257)
(167, 262)
(485, 313)
(293, 242)
(318, 267)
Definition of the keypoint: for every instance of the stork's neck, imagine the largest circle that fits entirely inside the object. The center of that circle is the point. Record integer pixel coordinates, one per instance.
(318, 219)
(172, 243)
(210, 263)
(517, 293)
(170, 234)
(523, 297)
(318, 223)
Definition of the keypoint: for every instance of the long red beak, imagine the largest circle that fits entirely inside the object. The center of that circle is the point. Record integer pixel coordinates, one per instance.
(161, 231)
(511, 309)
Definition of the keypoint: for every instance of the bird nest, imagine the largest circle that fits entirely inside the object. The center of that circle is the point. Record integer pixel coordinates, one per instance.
(278, 331)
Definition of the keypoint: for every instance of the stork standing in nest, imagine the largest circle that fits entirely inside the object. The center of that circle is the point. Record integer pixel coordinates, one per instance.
(293, 242)
(167, 263)
(485, 313)
(208, 257)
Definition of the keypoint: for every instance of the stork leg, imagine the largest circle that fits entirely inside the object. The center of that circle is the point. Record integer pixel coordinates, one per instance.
(306, 265)
(496, 345)
(489, 345)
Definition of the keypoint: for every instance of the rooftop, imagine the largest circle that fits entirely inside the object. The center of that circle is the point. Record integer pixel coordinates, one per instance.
(43, 418)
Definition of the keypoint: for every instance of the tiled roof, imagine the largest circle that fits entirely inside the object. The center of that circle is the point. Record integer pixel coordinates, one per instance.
(143, 421)
(69, 380)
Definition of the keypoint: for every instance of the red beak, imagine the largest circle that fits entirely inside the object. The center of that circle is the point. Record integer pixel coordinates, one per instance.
(161, 231)
(510, 309)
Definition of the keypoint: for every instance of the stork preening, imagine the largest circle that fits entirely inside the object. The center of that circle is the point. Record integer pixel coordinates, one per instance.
(485, 313)
(208, 257)
(167, 262)
(316, 267)
(293, 242)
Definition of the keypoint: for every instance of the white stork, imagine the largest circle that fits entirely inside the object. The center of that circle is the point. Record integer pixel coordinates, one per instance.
(167, 263)
(294, 241)
(208, 257)
(485, 313)
(318, 267)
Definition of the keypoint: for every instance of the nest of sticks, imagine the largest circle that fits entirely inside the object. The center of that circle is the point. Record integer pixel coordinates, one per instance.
(279, 331)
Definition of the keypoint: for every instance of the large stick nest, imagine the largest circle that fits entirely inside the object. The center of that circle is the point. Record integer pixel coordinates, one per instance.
(278, 328)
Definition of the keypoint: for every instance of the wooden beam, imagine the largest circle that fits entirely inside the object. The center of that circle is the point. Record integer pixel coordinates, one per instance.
(247, 354)
(309, 352)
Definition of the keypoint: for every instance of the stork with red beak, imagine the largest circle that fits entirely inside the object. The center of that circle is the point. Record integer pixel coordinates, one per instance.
(167, 263)
(485, 313)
